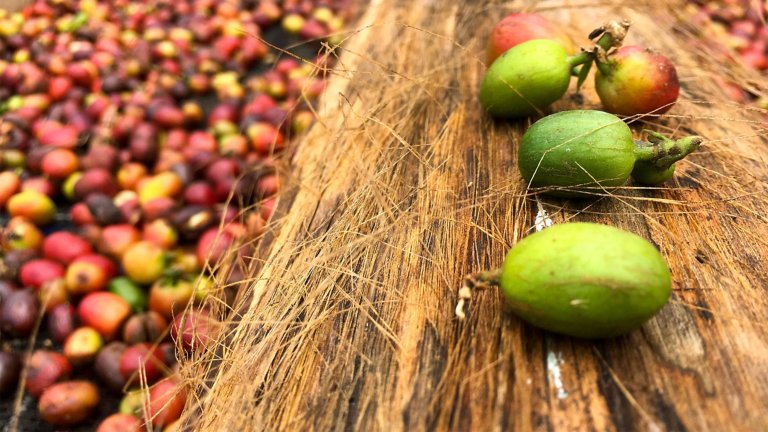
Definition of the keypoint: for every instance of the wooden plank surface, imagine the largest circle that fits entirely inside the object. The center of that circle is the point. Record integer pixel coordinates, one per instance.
(406, 186)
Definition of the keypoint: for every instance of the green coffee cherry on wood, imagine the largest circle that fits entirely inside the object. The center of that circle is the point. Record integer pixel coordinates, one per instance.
(580, 279)
(526, 79)
(582, 152)
(585, 279)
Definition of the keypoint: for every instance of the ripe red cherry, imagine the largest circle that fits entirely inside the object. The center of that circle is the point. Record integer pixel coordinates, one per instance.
(637, 81)
(65, 247)
(517, 28)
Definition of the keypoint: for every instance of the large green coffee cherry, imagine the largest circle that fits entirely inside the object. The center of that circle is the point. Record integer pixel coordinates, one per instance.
(585, 279)
(526, 79)
(575, 153)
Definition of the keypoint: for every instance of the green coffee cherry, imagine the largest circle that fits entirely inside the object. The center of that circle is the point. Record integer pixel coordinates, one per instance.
(130, 292)
(581, 152)
(526, 79)
(586, 280)
(580, 279)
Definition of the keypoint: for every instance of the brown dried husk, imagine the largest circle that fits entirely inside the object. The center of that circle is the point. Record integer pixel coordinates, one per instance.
(344, 320)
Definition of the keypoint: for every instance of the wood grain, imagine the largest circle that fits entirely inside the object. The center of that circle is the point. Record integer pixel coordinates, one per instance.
(406, 186)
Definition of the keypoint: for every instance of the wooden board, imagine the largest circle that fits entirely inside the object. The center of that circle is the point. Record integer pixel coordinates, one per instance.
(406, 186)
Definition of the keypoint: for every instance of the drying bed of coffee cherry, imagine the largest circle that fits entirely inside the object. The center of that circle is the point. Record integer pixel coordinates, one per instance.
(138, 141)
(740, 27)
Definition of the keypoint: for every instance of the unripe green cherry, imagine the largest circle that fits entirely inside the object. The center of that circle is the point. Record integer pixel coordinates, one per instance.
(526, 79)
(586, 280)
(583, 152)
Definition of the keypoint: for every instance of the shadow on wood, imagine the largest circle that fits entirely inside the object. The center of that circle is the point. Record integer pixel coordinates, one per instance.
(346, 321)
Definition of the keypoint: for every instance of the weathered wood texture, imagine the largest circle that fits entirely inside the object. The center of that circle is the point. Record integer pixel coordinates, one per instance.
(406, 186)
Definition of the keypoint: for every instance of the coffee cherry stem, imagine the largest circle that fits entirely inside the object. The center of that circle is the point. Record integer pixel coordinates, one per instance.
(662, 152)
(610, 35)
(581, 76)
(655, 159)
(604, 65)
(477, 281)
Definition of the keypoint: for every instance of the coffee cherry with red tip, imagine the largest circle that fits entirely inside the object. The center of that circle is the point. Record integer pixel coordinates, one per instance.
(637, 81)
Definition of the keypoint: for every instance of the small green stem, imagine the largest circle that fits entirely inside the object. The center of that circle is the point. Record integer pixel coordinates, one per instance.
(580, 59)
(582, 76)
(663, 152)
(606, 42)
(655, 159)
(612, 38)
(609, 36)
(604, 66)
